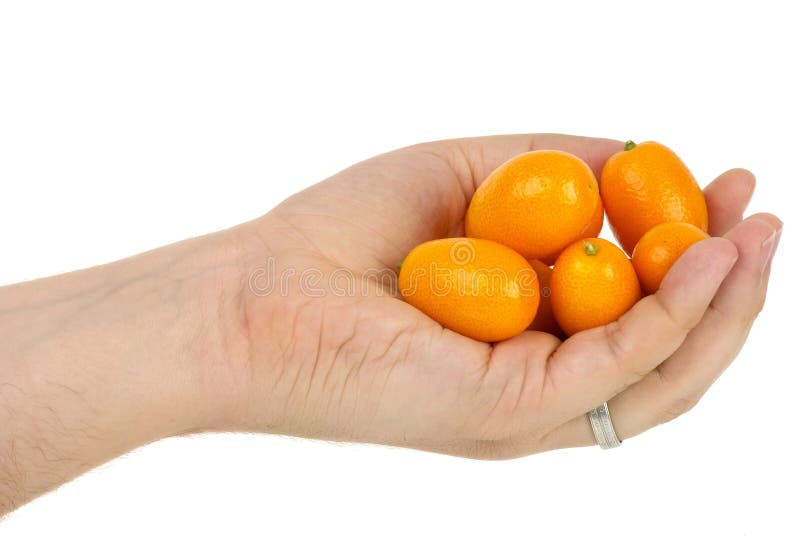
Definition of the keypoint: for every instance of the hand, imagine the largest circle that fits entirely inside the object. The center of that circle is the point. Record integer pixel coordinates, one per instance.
(288, 324)
(343, 358)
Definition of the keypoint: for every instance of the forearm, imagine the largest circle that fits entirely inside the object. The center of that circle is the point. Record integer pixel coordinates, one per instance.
(98, 362)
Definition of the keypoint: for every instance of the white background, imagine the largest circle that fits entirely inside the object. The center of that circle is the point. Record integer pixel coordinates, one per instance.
(128, 125)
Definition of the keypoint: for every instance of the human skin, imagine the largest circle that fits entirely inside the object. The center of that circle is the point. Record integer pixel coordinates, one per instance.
(190, 337)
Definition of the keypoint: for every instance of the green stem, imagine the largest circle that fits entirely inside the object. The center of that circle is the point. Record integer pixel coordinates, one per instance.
(589, 248)
(629, 145)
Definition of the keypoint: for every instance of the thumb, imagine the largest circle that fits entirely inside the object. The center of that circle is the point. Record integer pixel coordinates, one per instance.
(474, 159)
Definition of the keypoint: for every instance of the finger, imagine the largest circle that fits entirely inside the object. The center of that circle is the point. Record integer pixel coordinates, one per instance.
(680, 381)
(473, 159)
(396, 200)
(593, 366)
(727, 197)
(470, 160)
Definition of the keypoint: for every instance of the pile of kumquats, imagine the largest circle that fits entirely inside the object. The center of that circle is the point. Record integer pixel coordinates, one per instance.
(531, 258)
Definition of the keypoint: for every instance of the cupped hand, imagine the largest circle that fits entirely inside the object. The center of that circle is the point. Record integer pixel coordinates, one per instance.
(318, 343)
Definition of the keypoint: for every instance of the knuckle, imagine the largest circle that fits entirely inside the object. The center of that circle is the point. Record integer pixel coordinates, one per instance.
(619, 345)
(677, 407)
(673, 320)
(622, 350)
(740, 319)
(760, 302)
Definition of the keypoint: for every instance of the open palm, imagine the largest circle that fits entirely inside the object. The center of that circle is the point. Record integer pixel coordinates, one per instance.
(332, 352)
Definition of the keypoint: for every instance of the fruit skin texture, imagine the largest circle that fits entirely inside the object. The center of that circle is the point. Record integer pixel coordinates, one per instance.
(658, 250)
(544, 321)
(596, 223)
(592, 231)
(593, 284)
(648, 185)
(537, 203)
(477, 288)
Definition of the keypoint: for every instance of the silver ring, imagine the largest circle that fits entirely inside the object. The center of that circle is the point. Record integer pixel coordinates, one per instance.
(602, 427)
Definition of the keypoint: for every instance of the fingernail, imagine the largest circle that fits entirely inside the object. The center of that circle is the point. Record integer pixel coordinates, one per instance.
(768, 248)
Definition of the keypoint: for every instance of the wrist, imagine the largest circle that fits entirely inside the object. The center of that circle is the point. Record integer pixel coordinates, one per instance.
(97, 362)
